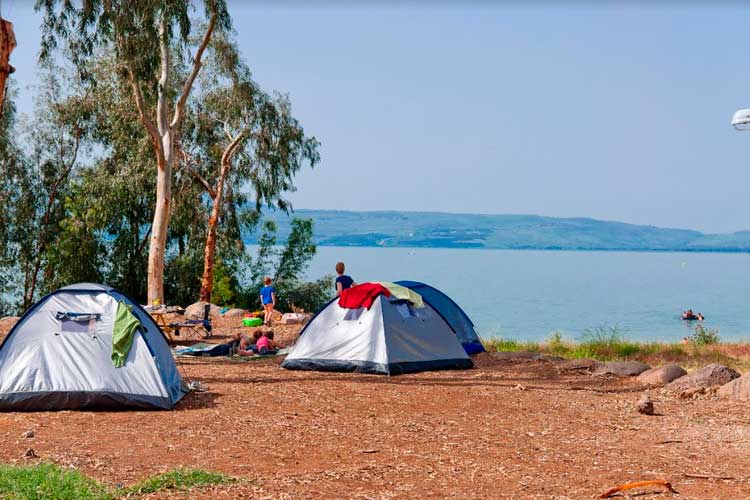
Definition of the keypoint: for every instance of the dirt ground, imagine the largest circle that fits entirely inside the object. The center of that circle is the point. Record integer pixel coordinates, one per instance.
(516, 429)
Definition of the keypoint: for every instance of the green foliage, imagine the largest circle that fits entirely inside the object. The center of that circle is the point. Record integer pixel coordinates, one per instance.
(226, 289)
(704, 336)
(79, 191)
(49, 482)
(510, 345)
(286, 266)
(310, 296)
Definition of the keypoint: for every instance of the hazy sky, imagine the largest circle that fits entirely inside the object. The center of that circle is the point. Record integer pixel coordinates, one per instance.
(614, 112)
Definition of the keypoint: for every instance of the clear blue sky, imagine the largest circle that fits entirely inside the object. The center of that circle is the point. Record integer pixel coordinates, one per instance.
(614, 112)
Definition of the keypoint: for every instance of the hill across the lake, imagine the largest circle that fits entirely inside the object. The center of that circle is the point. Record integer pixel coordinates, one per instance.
(532, 232)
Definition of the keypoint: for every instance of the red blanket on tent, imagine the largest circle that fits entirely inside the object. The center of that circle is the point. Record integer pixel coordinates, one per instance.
(362, 295)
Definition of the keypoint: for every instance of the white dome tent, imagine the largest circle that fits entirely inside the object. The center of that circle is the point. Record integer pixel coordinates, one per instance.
(59, 356)
(392, 337)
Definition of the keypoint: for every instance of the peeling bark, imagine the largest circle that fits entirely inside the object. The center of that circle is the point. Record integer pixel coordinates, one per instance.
(7, 44)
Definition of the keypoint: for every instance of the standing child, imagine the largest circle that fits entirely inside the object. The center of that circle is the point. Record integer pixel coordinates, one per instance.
(342, 280)
(268, 299)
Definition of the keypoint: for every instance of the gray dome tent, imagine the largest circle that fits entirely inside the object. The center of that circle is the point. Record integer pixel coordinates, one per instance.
(392, 337)
(59, 356)
(451, 312)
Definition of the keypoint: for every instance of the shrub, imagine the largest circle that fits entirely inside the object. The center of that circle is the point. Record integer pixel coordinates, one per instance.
(556, 345)
(704, 336)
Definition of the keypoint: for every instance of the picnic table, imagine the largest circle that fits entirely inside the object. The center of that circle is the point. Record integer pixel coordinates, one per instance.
(172, 328)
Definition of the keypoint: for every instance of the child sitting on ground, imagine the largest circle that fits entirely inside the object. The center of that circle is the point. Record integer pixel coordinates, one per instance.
(266, 345)
(249, 346)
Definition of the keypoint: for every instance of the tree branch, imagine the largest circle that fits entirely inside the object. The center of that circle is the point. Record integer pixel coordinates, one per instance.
(232, 148)
(150, 127)
(197, 64)
(187, 159)
(162, 120)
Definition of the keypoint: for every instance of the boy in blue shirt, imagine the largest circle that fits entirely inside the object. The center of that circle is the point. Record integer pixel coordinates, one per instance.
(342, 280)
(268, 299)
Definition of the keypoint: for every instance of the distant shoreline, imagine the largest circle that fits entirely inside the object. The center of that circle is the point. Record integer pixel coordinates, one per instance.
(394, 229)
(540, 249)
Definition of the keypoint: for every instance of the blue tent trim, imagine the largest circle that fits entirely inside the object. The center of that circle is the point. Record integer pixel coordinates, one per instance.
(451, 312)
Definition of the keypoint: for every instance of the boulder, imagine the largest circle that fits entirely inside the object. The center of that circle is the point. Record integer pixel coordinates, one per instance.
(583, 364)
(622, 368)
(661, 375)
(195, 311)
(235, 313)
(295, 318)
(738, 388)
(709, 376)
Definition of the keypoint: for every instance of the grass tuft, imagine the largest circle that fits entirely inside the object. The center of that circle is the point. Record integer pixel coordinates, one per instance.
(180, 479)
(49, 482)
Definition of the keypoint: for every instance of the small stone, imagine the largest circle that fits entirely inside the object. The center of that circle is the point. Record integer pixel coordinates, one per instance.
(28, 434)
(645, 405)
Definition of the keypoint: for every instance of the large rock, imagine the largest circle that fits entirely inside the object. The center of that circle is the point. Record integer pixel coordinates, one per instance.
(661, 375)
(738, 388)
(295, 318)
(582, 364)
(195, 311)
(709, 376)
(622, 368)
(235, 313)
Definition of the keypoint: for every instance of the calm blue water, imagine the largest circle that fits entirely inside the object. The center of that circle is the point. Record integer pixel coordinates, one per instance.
(528, 294)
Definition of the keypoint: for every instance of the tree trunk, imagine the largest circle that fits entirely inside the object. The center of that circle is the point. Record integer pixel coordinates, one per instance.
(7, 44)
(209, 253)
(159, 229)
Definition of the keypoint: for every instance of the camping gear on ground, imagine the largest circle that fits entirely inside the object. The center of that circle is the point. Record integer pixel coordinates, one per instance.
(203, 349)
(362, 295)
(59, 356)
(391, 337)
(252, 321)
(174, 327)
(450, 311)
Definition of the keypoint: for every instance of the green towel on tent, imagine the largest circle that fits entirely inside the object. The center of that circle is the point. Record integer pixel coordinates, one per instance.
(123, 333)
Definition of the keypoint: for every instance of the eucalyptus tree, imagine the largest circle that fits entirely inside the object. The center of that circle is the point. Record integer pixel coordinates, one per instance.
(245, 145)
(13, 173)
(149, 38)
(55, 139)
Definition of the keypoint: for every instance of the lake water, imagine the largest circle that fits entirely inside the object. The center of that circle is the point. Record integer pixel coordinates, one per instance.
(526, 295)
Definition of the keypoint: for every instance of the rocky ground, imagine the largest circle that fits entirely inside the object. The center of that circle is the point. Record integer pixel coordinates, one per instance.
(517, 426)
